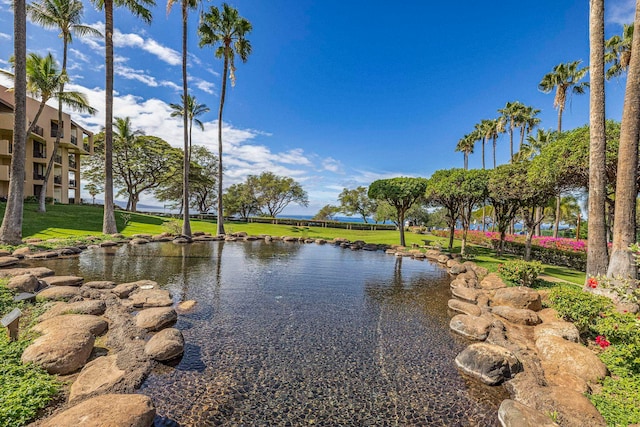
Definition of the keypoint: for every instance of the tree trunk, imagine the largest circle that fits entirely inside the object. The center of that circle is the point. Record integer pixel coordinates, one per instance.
(466, 161)
(401, 227)
(622, 263)
(494, 152)
(483, 141)
(597, 257)
(452, 228)
(222, 95)
(511, 141)
(539, 211)
(463, 244)
(560, 109)
(109, 218)
(186, 221)
(11, 229)
(43, 194)
(501, 243)
(134, 203)
(527, 245)
(521, 138)
(556, 223)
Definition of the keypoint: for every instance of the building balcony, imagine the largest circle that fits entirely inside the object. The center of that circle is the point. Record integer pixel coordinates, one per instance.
(74, 140)
(72, 164)
(4, 173)
(39, 155)
(57, 158)
(86, 147)
(54, 133)
(57, 180)
(38, 131)
(6, 147)
(72, 183)
(38, 177)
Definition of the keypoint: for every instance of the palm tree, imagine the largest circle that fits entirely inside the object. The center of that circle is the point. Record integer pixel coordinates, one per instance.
(493, 129)
(563, 78)
(64, 15)
(480, 132)
(622, 263)
(597, 256)
(510, 117)
(228, 29)
(44, 81)
(618, 52)
(186, 5)
(138, 9)
(466, 145)
(527, 121)
(11, 229)
(194, 109)
(534, 144)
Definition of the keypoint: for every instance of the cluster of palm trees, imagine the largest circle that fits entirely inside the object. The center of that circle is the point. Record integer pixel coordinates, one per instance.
(223, 29)
(514, 115)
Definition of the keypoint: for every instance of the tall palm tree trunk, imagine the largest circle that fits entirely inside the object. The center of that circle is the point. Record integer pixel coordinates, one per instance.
(222, 95)
(186, 223)
(597, 257)
(11, 229)
(624, 225)
(511, 141)
(560, 109)
(56, 144)
(556, 223)
(109, 218)
(483, 141)
(494, 152)
(466, 160)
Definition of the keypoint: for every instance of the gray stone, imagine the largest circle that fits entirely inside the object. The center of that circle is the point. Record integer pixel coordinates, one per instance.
(155, 319)
(151, 298)
(165, 345)
(472, 327)
(464, 307)
(6, 261)
(457, 269)
(126, 410)
(515, 414)
(100, 284)
(58, 293)
(517, 297)
(24, 283)
(97, 376)
(123, 290)
(108, 244)
(489, 363)
(465, 294)
(93, 307)
(138, 241)
(60, 351)
(517, 315)
(39, 272)
(41, 255)
(566, 330)
(571, 357)
(63, 280)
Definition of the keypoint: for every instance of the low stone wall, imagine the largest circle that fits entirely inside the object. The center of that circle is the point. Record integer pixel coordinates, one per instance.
(529, 350)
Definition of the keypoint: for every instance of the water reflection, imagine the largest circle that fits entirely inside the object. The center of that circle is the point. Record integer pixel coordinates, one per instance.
(290, 334)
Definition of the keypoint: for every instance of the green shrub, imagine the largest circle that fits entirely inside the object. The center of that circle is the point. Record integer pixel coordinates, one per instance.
(622, 359)
(618, 400)
(520, 272)
(577, 306)
(173, 226)
(618, 327)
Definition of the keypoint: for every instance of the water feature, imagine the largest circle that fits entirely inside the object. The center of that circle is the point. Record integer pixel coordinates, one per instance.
(293, 334)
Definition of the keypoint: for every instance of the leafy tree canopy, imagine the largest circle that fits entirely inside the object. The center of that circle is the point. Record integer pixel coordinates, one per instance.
(357, 202)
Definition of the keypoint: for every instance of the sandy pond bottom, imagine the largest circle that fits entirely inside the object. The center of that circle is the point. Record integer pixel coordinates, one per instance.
(289, 334)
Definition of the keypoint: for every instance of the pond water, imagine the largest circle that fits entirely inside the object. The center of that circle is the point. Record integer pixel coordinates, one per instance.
(294, 334)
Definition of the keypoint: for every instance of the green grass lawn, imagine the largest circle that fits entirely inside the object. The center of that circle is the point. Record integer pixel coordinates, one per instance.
(74, 221)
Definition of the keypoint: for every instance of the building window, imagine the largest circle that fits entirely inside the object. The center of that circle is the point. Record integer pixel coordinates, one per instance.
(38, 171)
(39, 150)
(54, 129)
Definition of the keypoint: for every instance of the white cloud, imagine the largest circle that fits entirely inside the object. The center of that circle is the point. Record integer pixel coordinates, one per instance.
(204, 85)
(79, 55)
(621, 12)
(332, 165)
(4, 36)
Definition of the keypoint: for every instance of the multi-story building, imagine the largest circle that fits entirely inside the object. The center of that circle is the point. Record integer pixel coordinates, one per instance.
(64, 181)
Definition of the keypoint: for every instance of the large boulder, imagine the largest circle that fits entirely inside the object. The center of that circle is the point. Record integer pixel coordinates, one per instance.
(130, 410)
(492, 281)
(571, 357)
(63, 280)
(519, 316)
(574, 409)
(464, 307)
(151, 298)
(58, 293)
(517, 297)
(7, 261)
(548, 315)
(489, 363)
(123, 290)
(24, 283)
(154, 319)
(36, 271)
(41, 255)
(99, 375)
(94, 307)
(559, 328)
(465, 294)
(60, 351)
(515, 414)
(73, 322)
(472, 327)
(165, 345)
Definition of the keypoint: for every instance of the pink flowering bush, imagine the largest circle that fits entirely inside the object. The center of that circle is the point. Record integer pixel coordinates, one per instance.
(486, 238)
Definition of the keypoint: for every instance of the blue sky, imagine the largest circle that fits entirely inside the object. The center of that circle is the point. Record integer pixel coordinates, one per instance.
(340, 93)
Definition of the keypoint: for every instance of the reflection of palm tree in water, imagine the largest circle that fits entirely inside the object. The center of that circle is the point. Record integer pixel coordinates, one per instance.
(397, 273)
(185, 280)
